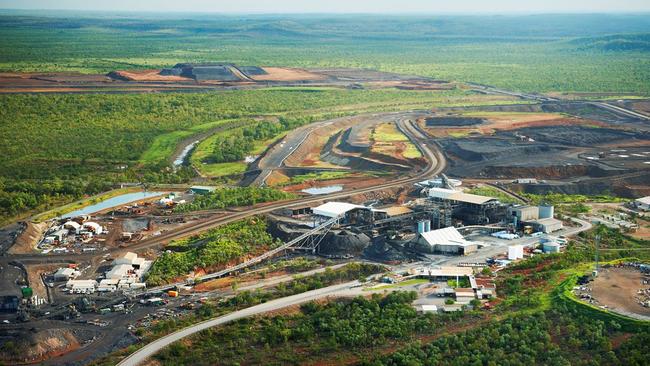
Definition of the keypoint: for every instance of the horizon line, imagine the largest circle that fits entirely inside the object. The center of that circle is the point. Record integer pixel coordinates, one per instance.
(413, 13)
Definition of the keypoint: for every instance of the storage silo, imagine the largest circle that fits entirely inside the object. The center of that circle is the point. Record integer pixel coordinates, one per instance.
(515, 252)
(551, 247)
(546, 212)
(424, 226)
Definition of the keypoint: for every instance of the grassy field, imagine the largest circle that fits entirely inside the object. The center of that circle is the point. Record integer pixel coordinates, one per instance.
(164, 146)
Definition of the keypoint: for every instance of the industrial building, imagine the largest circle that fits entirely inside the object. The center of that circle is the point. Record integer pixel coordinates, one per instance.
(65, 274)
(642, 203)
(464, 295)
(537, 218)
(515, 252)
(445, 241)
(441, 273)
(524, 213)
(547, 225)
(81, 286)
(335, 209)
(427, 224)
(129, 268)
(472, 209)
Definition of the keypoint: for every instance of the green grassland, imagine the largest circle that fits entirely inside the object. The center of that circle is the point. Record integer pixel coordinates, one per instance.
(163, 146)
(213, 248)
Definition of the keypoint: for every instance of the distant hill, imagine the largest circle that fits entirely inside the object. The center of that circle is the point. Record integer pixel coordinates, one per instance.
(617, 42)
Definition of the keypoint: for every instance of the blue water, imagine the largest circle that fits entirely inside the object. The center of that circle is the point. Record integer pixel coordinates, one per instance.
(323, 190)
(112, 202)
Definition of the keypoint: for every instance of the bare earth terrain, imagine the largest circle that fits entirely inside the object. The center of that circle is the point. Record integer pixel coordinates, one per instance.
(617, 288)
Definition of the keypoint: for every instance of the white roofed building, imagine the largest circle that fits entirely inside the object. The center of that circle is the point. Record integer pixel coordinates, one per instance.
(72, 226)
(81, 286)
(447, 240)
(642, 203)
(120, 271)
(64, 274)
(129, 267)
(108, 285)
(334, 209)
(441, 273)
(457, 196)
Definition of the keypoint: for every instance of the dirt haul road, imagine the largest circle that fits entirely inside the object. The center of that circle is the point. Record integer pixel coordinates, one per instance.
(277, 155)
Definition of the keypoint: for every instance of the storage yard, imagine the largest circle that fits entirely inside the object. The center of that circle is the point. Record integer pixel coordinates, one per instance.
(623, 288)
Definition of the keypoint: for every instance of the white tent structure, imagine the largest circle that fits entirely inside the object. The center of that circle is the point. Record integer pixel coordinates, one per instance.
(334, 209)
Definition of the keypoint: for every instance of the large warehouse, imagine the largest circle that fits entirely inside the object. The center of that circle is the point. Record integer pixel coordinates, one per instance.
(446, 241)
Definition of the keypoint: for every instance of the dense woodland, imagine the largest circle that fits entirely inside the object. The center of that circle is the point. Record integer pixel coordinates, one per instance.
(237, 145)
(347, 330)
(211, 249)
(557, 337)
(232, 197)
